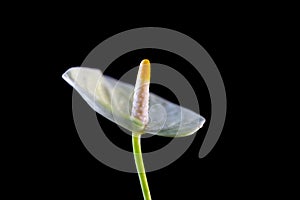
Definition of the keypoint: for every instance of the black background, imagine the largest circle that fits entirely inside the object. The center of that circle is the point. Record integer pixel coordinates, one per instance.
(56, 163)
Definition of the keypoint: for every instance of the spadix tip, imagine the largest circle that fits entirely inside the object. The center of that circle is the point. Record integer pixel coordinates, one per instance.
(145, 62)
(144, 71)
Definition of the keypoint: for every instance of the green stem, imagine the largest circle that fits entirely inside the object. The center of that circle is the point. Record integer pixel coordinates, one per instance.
(137, 152)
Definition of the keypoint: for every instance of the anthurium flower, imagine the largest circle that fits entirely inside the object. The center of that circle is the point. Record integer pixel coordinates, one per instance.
(128, 106)
(113, 99)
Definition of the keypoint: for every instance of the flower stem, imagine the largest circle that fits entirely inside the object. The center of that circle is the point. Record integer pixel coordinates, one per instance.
(137, 152)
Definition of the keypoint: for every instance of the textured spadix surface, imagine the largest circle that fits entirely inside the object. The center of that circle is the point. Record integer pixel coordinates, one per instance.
(113, 99)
